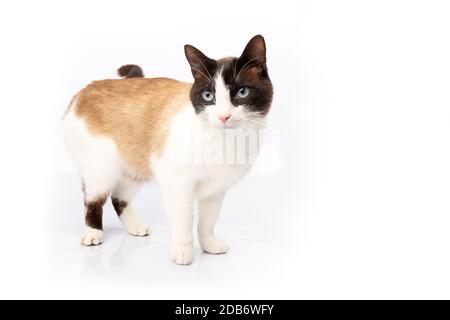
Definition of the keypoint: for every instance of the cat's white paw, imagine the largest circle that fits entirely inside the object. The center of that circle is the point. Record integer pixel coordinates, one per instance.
(182, 254)
(214, 246)
(139, 230)
(92, 237)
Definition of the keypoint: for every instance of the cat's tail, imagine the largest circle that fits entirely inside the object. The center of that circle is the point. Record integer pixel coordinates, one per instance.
(130, 71)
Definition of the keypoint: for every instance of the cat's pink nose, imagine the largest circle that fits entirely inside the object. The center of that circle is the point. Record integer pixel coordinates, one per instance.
(224, 118)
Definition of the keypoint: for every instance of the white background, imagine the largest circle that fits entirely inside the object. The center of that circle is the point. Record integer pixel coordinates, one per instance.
(357, 208)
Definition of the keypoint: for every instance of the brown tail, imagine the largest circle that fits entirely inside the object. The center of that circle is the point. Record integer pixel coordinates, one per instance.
(130, 71)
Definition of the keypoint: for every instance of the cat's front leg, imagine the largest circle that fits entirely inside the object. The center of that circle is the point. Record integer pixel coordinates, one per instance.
(209, 208)
(178, 201)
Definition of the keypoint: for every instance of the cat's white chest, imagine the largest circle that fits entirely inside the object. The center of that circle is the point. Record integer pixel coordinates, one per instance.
(219, 178)
(200, 155)
(219, 168)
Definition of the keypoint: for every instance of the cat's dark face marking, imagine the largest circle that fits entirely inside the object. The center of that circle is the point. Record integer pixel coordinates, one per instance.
(231, 90)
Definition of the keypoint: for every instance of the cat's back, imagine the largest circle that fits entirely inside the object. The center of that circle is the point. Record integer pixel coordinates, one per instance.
(130, 95)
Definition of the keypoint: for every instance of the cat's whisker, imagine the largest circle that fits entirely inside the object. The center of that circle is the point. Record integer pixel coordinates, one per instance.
(255, 114)
(210, 77)
(243, 68)
(253, 121)
(196, 69)
(260, 122)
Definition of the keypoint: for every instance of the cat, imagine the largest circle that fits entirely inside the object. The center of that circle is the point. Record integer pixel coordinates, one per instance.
(125, 132)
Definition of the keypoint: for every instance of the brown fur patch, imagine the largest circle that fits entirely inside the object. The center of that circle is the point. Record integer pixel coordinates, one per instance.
(119, 205)
(94, 213)
(135, 113)
(130, 71)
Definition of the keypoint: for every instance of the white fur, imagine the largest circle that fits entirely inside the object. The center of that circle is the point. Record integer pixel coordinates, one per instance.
(223, 106)
(92, 237)
(208, 210)
(125, 190)
(97, 157)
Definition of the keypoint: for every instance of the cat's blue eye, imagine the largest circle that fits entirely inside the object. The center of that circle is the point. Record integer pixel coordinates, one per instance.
(207, 95)
(243, 92)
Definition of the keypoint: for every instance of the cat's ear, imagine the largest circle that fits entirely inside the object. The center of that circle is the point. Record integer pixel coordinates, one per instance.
(255, 51)
(201, 65)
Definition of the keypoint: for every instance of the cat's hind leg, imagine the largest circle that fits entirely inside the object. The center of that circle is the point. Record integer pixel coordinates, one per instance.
(100, 168)
(93, 233)
(96, 187)
(122, 196)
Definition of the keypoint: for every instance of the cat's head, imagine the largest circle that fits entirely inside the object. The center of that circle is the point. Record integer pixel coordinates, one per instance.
(231, 92)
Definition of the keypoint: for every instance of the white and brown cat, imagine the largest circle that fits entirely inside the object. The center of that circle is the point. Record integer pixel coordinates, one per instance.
(125, 132)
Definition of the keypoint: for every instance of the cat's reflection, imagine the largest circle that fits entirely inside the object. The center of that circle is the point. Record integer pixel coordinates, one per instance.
(98, 259)
(129, 246)
(92, 261)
